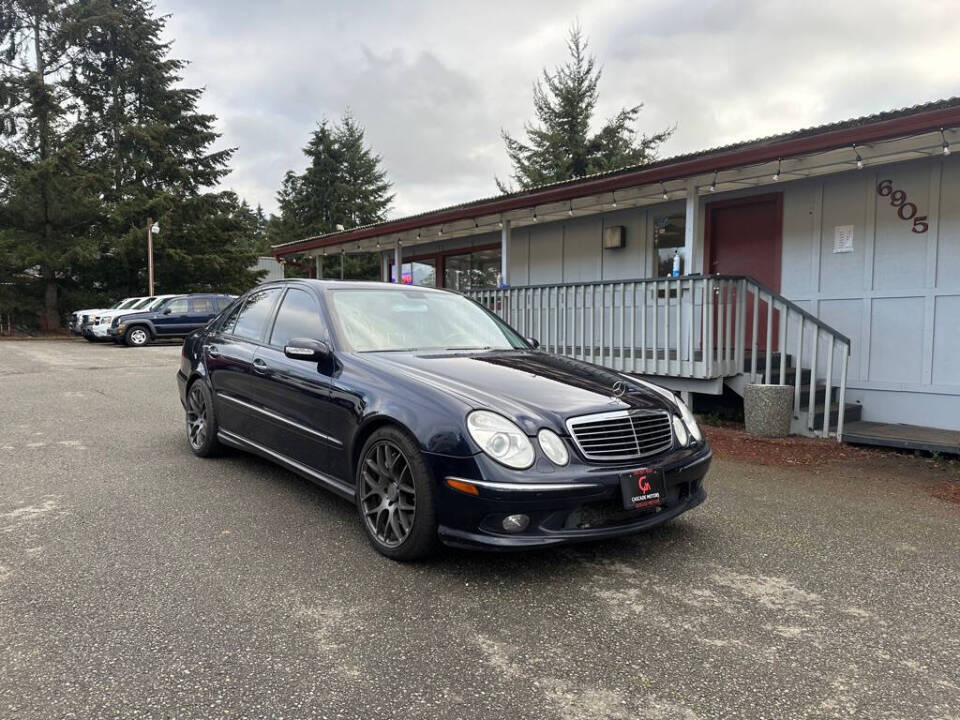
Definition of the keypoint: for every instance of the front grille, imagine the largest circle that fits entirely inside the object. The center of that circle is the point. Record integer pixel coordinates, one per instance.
(622, 435)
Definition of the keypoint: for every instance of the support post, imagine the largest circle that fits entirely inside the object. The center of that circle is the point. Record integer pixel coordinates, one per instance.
(398, 262)
(691, 231)
(384, 267)
(150, 255)
(318, 263)
(505, 255)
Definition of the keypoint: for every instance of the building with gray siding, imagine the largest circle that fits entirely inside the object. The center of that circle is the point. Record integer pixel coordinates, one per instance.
(828, 258)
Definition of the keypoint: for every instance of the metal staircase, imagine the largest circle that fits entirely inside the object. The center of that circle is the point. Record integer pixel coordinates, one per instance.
(694, 334)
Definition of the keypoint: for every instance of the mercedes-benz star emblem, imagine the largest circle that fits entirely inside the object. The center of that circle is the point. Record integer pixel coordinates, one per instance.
(619, 388)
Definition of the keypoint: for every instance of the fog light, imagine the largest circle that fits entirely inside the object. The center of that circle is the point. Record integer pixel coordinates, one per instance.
(515, 523)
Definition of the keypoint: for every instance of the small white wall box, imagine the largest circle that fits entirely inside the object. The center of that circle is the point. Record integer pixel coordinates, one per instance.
(614, 236)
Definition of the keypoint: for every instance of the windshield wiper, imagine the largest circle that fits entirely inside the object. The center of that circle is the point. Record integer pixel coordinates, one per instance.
(483, 347)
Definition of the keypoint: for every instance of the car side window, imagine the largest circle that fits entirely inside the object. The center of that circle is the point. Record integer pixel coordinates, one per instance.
(252, 319)
(177, 306)
(230, 318)
(202, 306)
(298, 317)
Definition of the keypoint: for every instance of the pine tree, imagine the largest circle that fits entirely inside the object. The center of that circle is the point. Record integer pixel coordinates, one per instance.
(153, 148)
(560, 146)
(343, 185)
(47, 193)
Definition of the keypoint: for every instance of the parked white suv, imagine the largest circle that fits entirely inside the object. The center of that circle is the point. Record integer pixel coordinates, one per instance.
(101, 325)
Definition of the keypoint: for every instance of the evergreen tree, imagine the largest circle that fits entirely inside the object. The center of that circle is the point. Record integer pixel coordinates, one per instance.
(47, 191)
(151, 144)
(343, 184)
(560, 146)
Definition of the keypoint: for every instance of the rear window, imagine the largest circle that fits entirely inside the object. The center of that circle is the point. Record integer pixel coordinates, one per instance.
(203, 305)
(251, 321)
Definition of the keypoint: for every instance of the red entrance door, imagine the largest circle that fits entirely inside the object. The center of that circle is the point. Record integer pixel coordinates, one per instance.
(744, 237)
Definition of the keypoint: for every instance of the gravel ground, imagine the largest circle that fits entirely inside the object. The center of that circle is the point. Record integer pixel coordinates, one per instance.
(139, 581)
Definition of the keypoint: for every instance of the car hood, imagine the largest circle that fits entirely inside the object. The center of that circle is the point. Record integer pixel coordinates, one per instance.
(127, 313)
(532, 388)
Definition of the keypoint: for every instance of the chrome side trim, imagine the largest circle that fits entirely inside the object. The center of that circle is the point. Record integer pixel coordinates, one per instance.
(525, 487)
(281, 418)
(245, 444)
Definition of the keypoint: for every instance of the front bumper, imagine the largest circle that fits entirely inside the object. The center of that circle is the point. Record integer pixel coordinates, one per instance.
(578, 503)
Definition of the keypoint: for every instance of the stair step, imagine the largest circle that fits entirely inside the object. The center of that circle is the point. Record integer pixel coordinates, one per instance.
(762, 361)
(789, 377)
(819, 396)
(852, 413)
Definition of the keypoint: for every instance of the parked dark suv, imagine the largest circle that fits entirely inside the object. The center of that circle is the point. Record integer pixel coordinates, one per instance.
(177, 317)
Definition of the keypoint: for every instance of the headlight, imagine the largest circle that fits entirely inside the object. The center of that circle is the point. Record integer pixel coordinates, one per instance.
(689, 420)
(680, 431)
(500, 439)
(120, 327)
(553, 447)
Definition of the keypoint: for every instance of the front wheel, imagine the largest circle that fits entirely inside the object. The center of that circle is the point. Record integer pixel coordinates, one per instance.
(395, 496)
(201, 421)
(137, 336)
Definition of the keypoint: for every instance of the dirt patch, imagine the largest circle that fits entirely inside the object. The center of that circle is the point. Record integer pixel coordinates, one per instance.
(822, 456)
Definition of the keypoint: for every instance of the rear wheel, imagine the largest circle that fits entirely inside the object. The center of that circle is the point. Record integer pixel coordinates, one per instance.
(395, 496)
(201, 422)
(137, 336)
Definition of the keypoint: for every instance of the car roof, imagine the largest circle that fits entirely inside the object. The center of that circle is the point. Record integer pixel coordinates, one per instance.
(348, 285)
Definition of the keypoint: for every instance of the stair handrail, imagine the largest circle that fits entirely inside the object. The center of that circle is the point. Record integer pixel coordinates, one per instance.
(710, 312)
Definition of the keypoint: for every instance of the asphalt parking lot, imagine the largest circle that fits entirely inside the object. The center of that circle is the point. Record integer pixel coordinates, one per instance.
(139, 581)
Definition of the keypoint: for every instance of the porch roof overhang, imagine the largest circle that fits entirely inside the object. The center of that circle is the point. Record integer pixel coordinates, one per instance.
(894, 136)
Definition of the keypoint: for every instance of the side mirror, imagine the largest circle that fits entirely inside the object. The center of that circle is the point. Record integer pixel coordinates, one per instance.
(306, 349)
(167, 311)
(533, 342)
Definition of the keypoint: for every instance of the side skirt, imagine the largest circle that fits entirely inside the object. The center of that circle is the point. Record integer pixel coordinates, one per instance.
(340, 488)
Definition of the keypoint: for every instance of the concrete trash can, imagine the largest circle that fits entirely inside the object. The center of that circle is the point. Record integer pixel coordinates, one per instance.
(767, 410)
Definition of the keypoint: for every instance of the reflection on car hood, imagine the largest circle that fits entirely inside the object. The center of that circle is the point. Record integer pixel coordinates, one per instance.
(529, 387)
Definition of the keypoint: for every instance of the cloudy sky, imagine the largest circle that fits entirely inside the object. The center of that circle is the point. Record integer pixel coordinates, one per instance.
(433, 82)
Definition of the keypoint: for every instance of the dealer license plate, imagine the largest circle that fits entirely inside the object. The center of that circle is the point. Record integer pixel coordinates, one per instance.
(641, 489)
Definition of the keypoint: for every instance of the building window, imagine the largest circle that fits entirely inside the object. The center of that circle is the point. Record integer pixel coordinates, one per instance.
(477, 270)
(668, 234)
(416, 272)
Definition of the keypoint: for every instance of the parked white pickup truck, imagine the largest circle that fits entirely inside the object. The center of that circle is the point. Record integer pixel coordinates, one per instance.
(99, 328)
(79, 318)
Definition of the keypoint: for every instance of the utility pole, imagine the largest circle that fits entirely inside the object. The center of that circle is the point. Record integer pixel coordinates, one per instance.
(150, 255)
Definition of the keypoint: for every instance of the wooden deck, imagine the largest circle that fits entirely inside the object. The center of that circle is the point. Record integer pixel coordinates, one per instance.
(910, 437)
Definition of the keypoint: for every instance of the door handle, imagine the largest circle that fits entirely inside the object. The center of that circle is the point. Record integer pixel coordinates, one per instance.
(213, 351)
(259, 366)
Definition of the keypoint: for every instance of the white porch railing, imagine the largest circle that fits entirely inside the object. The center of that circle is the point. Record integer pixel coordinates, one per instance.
(699, 327)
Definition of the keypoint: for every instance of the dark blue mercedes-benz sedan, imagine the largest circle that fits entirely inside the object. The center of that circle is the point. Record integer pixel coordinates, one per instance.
(437, 419)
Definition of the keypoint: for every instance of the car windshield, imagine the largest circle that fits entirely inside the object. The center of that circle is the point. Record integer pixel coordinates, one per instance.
(391, 320)
(142, 303)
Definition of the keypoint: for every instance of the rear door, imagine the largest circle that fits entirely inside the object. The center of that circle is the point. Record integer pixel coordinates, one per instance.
(296, 393)
(228, 354)
(202, 310)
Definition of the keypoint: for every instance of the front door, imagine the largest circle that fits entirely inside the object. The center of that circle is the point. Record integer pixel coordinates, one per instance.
(172, 317)
(743, 237)
(296, 393)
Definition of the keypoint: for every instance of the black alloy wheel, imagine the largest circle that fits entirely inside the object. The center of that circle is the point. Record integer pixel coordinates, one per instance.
(201, 423)
(394, 496)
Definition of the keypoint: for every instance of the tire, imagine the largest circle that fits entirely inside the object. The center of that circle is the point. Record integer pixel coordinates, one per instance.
(137, 336)
(396, 504)
(201, 423)
(88, 338)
